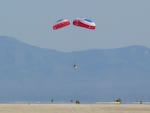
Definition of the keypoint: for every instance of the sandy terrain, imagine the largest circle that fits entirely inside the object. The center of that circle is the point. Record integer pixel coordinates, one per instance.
(73, 108)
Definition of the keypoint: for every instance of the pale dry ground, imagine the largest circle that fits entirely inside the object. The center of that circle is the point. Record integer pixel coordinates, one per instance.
(73, 108)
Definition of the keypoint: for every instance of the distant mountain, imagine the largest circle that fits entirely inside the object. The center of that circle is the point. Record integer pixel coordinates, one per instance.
(29, 73)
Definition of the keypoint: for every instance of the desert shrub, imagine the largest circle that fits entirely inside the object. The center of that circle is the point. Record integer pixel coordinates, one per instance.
(118, 100)
(77, 101)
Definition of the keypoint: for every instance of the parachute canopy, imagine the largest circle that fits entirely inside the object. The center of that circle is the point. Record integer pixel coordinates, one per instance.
(85, 23)
(61, 23)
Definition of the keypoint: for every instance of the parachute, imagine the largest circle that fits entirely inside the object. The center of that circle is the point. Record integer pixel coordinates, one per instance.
(61, 23)
(79, 22)
(85, 23)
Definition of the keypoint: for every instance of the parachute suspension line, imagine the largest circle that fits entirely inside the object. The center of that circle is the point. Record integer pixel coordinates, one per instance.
(75, 66)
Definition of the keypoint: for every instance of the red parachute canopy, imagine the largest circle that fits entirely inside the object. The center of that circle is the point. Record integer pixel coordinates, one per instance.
(85, 23)
(61, 23)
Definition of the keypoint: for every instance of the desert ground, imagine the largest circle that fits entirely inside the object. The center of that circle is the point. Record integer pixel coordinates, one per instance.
(74, 108)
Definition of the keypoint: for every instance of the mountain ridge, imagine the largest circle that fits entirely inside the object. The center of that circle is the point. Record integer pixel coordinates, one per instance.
(29, 73)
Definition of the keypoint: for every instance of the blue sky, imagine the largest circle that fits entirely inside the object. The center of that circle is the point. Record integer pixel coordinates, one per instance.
(119, 23)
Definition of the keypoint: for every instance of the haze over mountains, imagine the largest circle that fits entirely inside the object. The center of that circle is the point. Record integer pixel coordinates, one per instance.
(29, 73)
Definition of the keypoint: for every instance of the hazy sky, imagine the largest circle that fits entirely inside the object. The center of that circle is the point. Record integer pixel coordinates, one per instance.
(119, 23)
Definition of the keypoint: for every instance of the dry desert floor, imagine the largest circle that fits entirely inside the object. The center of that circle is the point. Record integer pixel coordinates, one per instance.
(74, 108)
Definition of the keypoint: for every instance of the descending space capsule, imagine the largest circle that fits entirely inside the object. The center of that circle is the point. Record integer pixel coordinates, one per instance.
(75, 66)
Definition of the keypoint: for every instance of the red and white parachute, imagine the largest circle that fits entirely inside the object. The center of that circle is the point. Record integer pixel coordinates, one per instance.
(61, 23)
(80, 22)
(85, 23)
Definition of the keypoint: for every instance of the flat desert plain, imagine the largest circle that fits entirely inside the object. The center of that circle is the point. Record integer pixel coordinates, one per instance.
(74, 108)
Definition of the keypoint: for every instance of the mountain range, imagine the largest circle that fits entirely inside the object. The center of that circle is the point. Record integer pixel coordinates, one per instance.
(30, 74)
